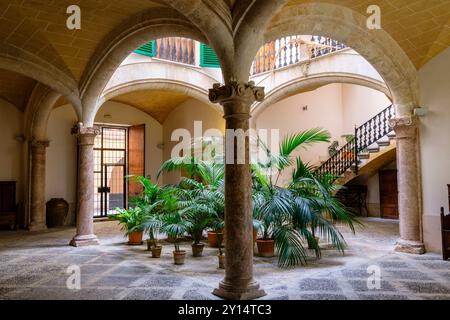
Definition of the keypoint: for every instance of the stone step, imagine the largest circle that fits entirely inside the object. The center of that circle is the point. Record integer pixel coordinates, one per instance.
(391, 135)
(384, 142)
(364, 155)
(373, 148)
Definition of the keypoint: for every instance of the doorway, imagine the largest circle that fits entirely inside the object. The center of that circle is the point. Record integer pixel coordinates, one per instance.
(110, 170)
(119, 151)
(388, 194)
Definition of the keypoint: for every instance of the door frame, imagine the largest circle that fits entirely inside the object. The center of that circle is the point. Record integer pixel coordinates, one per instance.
(103, 172)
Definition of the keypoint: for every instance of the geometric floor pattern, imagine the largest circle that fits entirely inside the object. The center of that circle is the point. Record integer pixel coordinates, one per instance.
(34, 266)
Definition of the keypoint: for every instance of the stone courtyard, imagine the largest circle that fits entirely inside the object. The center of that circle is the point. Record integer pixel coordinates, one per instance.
(34, 266)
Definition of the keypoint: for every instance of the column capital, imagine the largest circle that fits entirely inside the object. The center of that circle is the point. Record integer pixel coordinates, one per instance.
(236, 90)
(40, 144)
(80, 129)
(85, 135)
(404, 127)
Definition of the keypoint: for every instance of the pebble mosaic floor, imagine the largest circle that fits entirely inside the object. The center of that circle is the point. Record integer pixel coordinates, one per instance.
(34, 266)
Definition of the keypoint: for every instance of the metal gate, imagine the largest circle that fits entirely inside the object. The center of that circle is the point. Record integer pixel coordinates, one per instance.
(110, 166)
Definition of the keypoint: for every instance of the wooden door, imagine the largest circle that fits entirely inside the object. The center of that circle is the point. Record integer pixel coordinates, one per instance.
(136, 157)
(388, 194)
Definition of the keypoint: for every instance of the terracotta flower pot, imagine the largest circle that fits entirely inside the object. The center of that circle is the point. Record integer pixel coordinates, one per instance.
(179, 256)
(151, 243)
(266, 248)
(213, 240)
(156, 251)
(135, 238)
(221, 261)
(197, 249)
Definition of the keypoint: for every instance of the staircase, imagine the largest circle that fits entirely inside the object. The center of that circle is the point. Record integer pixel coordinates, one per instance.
(372, 137)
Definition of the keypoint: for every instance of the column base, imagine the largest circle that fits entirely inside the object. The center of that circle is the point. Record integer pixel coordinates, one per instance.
(37, 227)
(84, 241)
(407, 246)
(230, 292)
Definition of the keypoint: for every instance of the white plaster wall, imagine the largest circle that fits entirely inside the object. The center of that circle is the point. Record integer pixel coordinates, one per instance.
(434, 80)
(61, 162)
(12, 151)
(123, 114)
(336, 108)
(62, 154)
(360, 104)
(183, 117)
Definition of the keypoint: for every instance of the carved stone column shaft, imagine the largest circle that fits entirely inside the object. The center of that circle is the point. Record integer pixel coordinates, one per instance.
(85, 198)
(236, 99)
(406, 130)
(37, 185)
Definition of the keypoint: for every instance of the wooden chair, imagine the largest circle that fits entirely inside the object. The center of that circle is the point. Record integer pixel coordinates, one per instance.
(445, 227)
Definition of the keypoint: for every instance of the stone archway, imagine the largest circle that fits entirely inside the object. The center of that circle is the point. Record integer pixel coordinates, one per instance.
(134, 33)
(297, 86)
(349, 27)
(46, 75)
(400, 76)
(37, 113)
(157, 75)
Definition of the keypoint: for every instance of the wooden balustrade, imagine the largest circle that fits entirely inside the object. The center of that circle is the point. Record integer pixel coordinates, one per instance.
(175, 49)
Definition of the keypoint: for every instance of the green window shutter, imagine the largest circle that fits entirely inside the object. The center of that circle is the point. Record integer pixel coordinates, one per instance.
(147, 49)
(208, 57)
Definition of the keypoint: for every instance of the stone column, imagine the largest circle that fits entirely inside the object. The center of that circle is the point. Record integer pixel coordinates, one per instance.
(37, 185)
(85, 189)
(236, 99)
(409, 187)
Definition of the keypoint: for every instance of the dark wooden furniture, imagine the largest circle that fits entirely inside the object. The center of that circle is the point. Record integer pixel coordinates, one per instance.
(445, 229)
(354, 197)
(8, 205)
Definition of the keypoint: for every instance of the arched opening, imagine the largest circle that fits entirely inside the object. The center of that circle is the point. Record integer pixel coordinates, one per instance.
(314, 81)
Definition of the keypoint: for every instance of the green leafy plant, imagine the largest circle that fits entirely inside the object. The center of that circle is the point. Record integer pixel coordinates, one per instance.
(201, 195)
(150, 202)
(173, 223)
(293, 215)
(131, 220)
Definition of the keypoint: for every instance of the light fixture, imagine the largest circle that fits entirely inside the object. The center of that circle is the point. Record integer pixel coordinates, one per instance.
(420, 111)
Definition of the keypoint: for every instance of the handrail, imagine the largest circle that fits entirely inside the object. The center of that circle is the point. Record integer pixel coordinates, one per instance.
(291, 50)
(365, 135)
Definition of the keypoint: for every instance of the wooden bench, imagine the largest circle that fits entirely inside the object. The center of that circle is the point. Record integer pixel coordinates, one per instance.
(445, 228)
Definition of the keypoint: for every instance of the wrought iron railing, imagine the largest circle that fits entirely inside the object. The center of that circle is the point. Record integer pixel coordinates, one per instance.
(291, 50)
(175, 49)
(365, 135)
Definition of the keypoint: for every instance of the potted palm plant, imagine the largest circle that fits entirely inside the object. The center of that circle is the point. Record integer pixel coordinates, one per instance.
(201, 195)
(294, 214)
(132, 223)
(150, 202)
(175, 226)
(199, 221)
